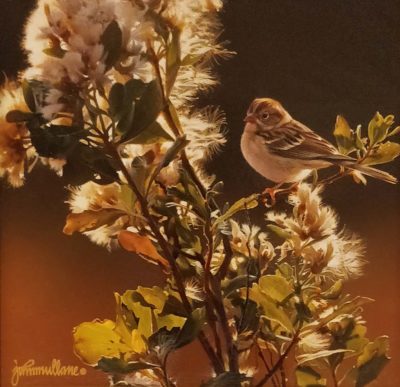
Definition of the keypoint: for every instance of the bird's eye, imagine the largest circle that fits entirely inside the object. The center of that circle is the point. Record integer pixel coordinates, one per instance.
(265, 115)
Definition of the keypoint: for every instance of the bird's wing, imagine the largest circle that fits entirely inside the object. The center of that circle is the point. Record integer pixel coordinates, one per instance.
(296, 141)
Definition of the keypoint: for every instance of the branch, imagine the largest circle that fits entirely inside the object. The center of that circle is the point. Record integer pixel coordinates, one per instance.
(280, 361)
(113, 152)
(208, 277)
(266, 365)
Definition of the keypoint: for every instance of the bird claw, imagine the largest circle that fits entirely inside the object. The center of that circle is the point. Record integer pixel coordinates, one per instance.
(273, 191)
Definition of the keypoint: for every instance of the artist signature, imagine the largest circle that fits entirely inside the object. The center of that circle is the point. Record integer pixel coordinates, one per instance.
(55, 369)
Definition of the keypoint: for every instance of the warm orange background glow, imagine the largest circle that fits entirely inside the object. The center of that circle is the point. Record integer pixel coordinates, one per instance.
(319, 59)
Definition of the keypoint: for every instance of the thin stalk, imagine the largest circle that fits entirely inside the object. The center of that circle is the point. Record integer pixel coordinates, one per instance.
(283, 375)
(334, 377)
(266, 365)
(215, 298)
(280, 361)
(113, 152)
(165, 249)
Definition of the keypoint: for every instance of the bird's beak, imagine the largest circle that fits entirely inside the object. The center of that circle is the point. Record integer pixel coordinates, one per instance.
(250, 118)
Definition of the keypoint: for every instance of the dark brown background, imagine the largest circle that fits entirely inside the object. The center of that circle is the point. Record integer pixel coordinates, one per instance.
(320, 58)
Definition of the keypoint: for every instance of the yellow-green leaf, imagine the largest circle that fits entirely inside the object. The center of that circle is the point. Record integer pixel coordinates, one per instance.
(307, 377)
(270, 309)
(242, 204)
(154, 296)
(385, 153)
(277, 287)
(170, 321)
(379, 347)
(138, 342)
(372, 361)
(343, 135)
(279, 231)
(152, 134)
(173, 58)
(378, 127)
(334, 291)
(357, 341)
(97, 339)
(394, 131)
(308, 357)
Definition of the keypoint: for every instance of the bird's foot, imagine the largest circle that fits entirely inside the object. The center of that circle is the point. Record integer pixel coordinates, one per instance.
(272, 192)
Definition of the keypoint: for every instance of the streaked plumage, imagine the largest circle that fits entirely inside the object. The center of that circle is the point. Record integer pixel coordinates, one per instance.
(285, 151)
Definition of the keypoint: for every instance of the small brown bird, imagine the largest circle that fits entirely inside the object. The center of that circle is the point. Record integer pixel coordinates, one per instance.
(285, 151)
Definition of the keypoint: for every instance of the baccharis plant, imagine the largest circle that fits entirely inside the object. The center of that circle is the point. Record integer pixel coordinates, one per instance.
(108, 102)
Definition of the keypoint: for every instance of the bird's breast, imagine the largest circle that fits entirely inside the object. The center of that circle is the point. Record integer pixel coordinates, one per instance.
(272, 167)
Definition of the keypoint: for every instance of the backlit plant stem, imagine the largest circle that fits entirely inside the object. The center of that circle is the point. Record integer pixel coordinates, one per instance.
(113, 152)
(216, 295)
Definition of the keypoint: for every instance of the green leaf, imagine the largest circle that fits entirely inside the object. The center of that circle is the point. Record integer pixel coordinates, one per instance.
(357, 340)
(29, 95)
(246, 203)
(19, 116)
(170, 155)
(121, 107)
(127, 196)
(394, 131)
(55, 51)
(226, 379)
(112, 42)
(191, 59)
(307, 357)
(308, 377)
(55, 140)
(269, 307)
(134, 89)
(85, 163)
(303, 311)
(234, 284)
(175, 116)
(116, 99)
(277, 287)
(179, 144)
(191, 328)
(115, 365)
(153, 134)
(334, 292)
(147, 109)
(343, 135)
(385, 153)
(359, 142)
(347, 306)
(378, 127)
(126, 120)
(279, 231)
(173, 58)
(372, 360)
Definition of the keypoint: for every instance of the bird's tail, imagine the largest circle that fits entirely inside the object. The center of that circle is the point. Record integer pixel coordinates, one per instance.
(373, 172)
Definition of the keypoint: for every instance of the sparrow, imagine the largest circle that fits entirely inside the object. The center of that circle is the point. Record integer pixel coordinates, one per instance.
(284, 150)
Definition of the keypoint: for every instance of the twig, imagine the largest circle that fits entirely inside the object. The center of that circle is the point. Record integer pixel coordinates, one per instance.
(283, 375)
(217, 297)
(334, 378)
(280, 361)
(266, 365)
(113, 152)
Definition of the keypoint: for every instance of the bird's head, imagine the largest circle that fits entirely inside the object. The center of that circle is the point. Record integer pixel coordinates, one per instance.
(265, 113)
